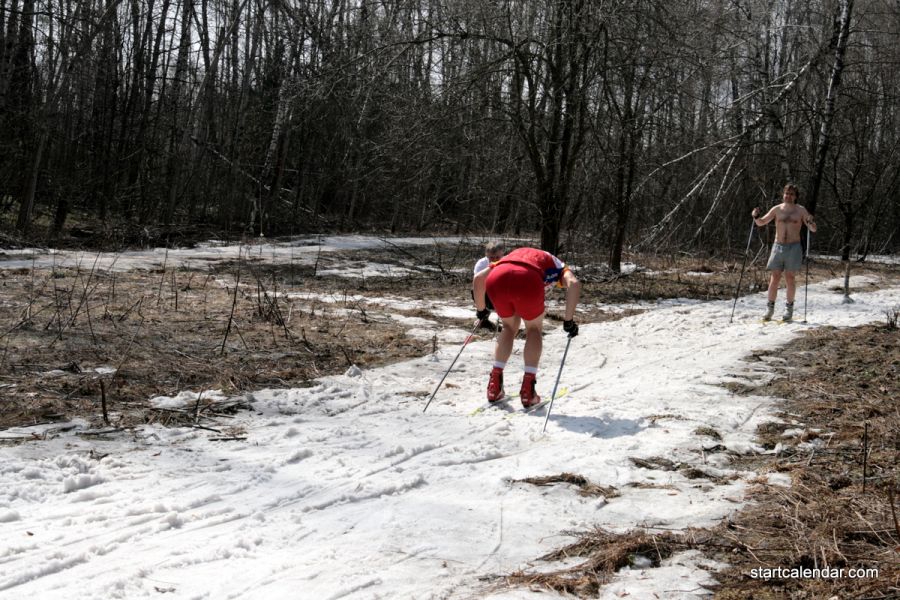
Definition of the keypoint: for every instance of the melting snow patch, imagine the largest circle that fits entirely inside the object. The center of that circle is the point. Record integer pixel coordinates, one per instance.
(56, 373)
(173, 520)
(185, 399)
(414, 321)
(298, 456)
(779, 479)
(73, 461)
(80, 482)
(747, 448)
(8, 516)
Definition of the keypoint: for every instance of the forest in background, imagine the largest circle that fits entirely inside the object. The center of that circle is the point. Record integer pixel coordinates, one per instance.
(639, 124)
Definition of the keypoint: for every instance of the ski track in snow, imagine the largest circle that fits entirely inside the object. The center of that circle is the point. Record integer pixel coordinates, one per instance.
(347, 490)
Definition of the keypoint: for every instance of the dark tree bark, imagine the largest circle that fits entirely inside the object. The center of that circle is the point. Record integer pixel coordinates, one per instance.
(450, 115)
(842, 34)
(22, 91)
(550, 104)
(177, 115)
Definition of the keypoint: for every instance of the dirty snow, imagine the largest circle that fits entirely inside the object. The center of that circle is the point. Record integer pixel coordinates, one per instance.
(346, 489)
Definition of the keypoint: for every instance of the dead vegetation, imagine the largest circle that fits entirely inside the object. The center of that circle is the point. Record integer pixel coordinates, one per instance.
(604, 553)
(99, 344)
(841, 450)
(72, 338)
(585, 487)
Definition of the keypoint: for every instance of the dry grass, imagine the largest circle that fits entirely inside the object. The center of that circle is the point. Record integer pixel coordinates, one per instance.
(603, 554)
(165, 331)
(702, 278)
(168, 330)
(585, 487)
(843, 395)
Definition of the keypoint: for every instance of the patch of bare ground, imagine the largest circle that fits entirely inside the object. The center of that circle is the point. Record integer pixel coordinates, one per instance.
(600, 554)
(585, 487)
(159, 332)
(95, 344)
(834, 531)
(72, 339)
(841, 452)
(99, 345)
(684, 275)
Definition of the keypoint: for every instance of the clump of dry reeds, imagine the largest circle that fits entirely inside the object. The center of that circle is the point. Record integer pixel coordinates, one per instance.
(604, 553)
(585, 487)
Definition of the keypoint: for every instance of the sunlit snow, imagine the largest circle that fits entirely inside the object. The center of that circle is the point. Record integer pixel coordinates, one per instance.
(346, 489)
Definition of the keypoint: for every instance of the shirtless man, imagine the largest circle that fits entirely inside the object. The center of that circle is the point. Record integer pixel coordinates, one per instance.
(787, 254)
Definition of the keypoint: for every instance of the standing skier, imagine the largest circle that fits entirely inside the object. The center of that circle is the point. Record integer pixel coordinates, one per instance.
(515, 284)
(787, 254)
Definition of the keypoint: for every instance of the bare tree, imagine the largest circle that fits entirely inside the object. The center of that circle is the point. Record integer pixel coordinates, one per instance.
(842, 34)
(650, 121)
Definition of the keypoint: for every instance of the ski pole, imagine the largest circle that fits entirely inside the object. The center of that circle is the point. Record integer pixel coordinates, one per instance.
(464, 344)
(555, 385)
(806, 285)
(743, 266)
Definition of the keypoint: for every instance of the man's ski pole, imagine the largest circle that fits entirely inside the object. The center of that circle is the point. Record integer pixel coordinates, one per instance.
(806, 285)
(743, 266)
(463, 347)
(556, 385)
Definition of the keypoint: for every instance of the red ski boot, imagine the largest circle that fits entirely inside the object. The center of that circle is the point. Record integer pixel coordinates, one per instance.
(528, 393)
(495, 386)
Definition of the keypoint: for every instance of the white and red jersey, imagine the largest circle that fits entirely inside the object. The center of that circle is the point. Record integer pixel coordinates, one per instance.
(551, 268)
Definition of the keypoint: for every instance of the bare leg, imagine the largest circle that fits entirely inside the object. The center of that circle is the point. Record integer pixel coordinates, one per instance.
(506, 338)
(791, 283)
(774, 281)
(534, 341)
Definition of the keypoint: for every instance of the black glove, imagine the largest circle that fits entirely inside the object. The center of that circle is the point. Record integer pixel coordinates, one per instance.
(571, 328)
(482, 314)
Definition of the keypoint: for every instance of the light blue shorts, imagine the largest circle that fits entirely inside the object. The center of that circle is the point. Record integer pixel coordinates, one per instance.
(785, 257)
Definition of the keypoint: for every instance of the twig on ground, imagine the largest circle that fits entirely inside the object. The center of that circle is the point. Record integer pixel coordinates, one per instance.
(237, 283)
(103, 402)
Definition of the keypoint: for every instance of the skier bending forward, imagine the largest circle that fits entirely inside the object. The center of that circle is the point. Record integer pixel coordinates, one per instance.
(515, 285)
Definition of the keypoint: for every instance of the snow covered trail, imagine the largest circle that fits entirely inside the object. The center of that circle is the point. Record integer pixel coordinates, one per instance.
(347, 490)
(301, 249)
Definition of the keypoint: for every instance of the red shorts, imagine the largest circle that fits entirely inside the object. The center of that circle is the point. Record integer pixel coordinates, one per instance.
(516, 290)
